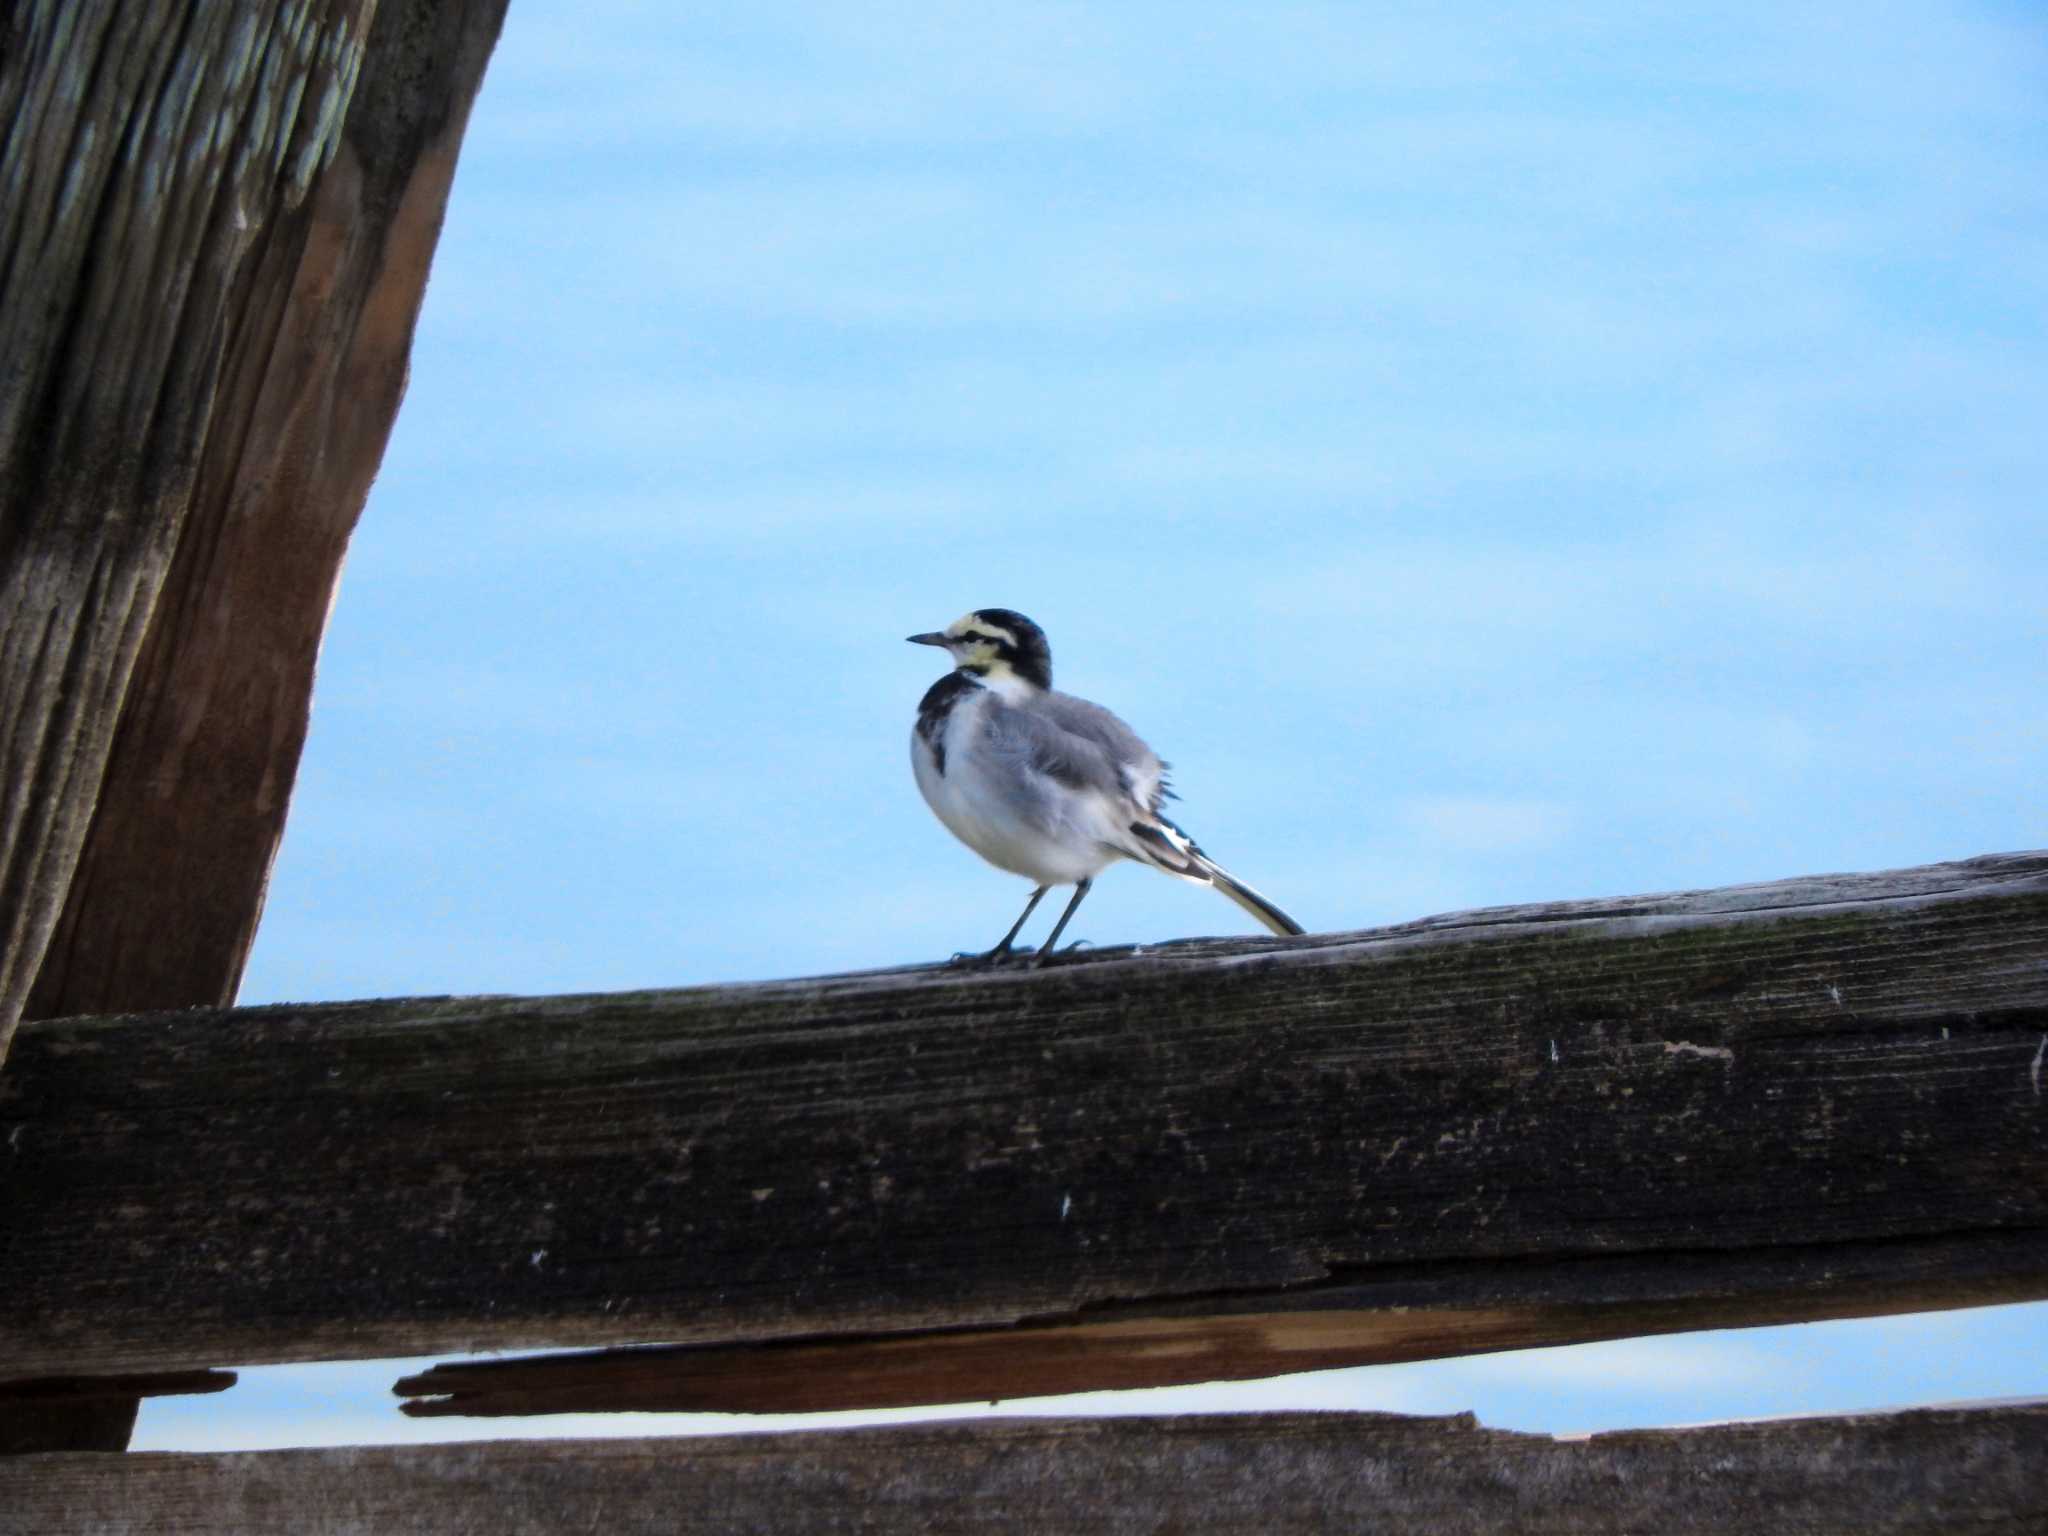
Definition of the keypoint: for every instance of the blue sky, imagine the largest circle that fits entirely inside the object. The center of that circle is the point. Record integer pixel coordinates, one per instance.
(1495, 457)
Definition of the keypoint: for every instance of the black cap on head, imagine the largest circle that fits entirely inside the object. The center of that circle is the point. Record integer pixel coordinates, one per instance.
(1027, 652)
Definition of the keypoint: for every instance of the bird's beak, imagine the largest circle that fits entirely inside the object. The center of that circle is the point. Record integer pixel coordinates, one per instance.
(934, 638)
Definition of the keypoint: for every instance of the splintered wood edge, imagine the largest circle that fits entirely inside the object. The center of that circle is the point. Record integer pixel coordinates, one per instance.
(57, 1389)
(1043, 1360)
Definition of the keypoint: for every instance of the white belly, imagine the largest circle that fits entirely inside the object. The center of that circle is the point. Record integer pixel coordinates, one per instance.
(1051, 842)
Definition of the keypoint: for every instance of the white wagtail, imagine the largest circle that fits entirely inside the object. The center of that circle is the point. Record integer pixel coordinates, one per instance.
(1043, 784)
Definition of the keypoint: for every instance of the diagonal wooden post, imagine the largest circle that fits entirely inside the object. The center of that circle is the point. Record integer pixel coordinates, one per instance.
(218, 216)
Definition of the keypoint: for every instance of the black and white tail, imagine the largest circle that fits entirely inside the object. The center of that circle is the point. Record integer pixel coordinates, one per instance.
(1164, 846)
(1251, 901)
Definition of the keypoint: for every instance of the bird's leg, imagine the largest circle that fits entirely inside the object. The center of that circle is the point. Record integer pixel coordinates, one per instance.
(1060, 927)
(1017, 927)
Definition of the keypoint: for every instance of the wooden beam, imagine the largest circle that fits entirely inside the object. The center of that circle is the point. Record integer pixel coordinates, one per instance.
(1426, 1313)
(215, 223)
(151, 154)
(1931, 1471)
(169, 884)
(1756, 1104)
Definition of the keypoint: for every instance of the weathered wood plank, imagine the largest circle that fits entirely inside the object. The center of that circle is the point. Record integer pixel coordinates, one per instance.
(162, 907)
(1425, 1313)
(1754, 1097)
(212, 247)
(1932, 1471)
(151, 153)
(215, 221)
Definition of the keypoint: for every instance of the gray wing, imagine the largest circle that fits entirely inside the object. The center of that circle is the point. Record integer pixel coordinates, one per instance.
(1144, 774)
(1033, 739)
(1077, 736)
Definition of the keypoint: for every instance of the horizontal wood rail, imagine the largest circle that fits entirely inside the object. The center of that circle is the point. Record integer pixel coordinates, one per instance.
(1221, 1158)
(1933, 1471)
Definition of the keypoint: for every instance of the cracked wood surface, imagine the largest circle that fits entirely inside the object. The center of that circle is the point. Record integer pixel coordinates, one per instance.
(1762, 1104)
(152, 155)
(169, 884)
(1931, 1471)
(215, 223)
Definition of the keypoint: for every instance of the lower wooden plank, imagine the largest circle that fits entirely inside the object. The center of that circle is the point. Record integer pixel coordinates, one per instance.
(1931, 1470)
(1427, 1315)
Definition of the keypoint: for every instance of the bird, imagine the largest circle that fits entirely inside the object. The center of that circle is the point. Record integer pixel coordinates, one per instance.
(1043, 784)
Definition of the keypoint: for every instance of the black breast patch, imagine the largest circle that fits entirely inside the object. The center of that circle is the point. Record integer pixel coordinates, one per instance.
(932, 711)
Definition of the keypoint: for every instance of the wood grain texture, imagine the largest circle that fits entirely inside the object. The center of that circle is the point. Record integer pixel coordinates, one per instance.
(1935, 1471)
(151, 152)
(213, 244)
(169, 884)
(1414, 1313)
(1766, 1091)
(211, 252)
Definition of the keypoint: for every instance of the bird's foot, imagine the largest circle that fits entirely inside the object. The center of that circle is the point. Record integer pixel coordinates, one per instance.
(972, 960)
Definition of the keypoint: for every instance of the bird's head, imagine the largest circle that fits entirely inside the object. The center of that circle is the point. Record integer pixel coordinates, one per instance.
(996, 644)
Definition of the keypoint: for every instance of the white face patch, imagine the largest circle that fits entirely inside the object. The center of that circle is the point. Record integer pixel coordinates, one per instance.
(975, 624)
(974, 641)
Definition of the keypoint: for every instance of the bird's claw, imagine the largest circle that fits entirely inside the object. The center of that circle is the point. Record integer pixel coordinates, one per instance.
(968, 960)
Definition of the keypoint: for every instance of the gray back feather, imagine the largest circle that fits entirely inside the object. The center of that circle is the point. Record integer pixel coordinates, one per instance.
(1075, 742)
